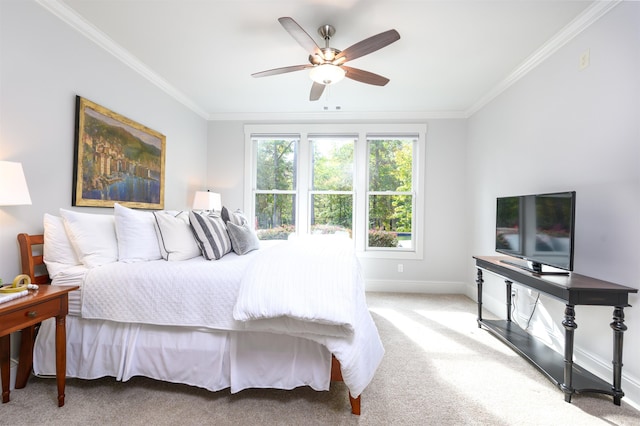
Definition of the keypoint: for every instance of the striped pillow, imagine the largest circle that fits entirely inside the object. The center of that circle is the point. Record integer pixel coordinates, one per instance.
(211, 235)
(236, 217)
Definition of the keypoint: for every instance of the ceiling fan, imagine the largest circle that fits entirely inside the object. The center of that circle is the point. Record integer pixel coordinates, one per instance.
(327, 63)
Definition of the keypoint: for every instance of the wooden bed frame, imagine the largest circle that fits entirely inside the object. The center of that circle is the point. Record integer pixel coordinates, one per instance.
(32, 261)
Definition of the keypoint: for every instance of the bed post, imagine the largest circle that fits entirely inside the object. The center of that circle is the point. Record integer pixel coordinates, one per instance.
(32, 264)
(336, 376)
(355, 404)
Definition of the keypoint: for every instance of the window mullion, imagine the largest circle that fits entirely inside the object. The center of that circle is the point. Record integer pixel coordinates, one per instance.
(304, 185)
(391, 193)
(273, 191)
(330, 192)
(361, 214)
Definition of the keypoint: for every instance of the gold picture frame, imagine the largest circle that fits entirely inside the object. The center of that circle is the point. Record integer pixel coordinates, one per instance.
(116, 160)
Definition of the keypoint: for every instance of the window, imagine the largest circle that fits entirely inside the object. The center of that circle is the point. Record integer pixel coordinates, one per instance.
(362, 181)
(390, 196)
(331, 193)
(276, 187)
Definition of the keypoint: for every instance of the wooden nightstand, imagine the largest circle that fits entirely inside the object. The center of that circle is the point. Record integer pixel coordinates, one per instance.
(46, 302)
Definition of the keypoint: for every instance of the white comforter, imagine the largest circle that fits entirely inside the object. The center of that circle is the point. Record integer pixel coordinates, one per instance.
(313, 288)
(311, 291)
(195, 292)
(304, 286)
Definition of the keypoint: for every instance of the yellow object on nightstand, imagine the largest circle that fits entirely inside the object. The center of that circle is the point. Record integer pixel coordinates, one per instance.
(20, 283)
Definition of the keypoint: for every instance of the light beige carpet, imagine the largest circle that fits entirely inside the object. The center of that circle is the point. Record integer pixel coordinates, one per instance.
(439, 369)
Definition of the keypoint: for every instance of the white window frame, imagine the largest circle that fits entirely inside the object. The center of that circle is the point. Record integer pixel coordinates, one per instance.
(254, 190)
(318, 137)
(413, 193)
(360, 215)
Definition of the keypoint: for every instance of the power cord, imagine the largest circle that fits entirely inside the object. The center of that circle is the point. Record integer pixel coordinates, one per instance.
(514, 306)
(535, 305)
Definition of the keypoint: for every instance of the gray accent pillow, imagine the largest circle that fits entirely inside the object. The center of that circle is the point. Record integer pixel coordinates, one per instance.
(211, 234)
(236, 217)
(243, 238)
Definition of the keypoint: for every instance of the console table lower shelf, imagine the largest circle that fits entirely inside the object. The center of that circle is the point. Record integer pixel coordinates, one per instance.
(545, 359)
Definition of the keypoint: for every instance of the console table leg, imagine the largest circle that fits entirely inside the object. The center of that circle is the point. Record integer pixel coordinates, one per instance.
(570, 325)
(479, 281)
(619, 328)
(508, 283)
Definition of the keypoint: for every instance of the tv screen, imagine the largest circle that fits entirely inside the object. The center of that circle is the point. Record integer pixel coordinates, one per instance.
(537, 228)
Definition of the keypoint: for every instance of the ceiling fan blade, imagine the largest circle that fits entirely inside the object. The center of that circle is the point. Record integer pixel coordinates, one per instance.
(316, 91)
(365, 76)
(368, 45)
(300, 35)
(282, 70)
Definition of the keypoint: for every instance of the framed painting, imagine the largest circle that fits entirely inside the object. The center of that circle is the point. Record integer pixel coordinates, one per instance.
(116, 160)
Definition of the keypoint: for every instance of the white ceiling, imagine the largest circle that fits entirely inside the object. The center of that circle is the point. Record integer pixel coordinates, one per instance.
(452, 56)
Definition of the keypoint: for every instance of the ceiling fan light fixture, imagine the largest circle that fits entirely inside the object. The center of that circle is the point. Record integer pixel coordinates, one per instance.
(327, 74)
(329, 54)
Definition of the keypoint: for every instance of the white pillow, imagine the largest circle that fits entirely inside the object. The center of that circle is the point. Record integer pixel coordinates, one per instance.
(175, 237)
(58, 253)
(93, 237)
(136, 233)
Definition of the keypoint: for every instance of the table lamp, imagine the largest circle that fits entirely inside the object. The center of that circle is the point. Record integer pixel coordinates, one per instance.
(13, 185)
(207, 201)
(13, 192)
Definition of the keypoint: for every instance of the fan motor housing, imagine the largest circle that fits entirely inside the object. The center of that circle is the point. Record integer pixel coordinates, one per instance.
(328, 55)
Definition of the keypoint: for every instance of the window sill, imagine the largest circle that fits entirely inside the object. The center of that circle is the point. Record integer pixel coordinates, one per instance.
(388, 254)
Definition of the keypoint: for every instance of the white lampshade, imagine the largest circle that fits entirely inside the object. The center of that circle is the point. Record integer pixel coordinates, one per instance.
(13, 185)
(206, 200)
(327, 74)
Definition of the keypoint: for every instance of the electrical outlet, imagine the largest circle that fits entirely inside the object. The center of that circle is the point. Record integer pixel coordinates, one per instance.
(400, 267)
(585, 59)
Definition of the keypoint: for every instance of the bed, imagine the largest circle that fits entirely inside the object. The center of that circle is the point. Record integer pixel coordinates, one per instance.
(281, 316)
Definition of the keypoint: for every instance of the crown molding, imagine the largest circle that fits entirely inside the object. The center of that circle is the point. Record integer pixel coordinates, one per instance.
(333, 116)
(589, 16)
(70, 17)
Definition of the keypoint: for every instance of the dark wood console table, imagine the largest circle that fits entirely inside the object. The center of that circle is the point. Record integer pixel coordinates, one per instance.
(572, 289)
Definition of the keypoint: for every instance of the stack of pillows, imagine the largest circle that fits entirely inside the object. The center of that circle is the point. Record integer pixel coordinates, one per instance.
(129, 235)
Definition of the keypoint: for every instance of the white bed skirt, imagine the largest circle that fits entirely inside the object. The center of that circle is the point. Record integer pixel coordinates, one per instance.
(209, 359)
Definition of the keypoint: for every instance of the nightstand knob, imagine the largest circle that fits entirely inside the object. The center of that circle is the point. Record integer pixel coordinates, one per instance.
(32, 314)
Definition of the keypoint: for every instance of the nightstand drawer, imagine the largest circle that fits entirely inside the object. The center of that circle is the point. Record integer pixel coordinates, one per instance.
(31, 315)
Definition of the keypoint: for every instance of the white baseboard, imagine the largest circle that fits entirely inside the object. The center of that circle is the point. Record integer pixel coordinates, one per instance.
(406, 286)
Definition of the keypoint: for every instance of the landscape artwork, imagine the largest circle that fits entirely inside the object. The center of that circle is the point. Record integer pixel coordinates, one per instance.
(116, 160)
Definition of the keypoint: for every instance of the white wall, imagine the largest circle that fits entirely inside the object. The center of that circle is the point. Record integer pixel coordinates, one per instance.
(444, 265)
(560, 128)
(44, 64)
(225, 160)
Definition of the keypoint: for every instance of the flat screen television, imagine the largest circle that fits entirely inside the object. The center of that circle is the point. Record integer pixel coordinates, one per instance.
(539, 229)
